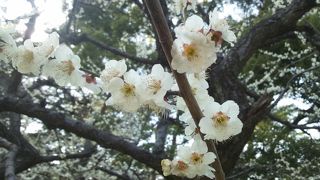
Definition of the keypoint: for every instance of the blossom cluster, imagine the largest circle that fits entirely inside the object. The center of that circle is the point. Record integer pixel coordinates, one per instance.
(194, 50)
(129, 90)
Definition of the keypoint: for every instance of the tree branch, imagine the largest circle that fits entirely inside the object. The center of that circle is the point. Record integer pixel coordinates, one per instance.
(112, 173)
(10, 158)
(259, 36)
(75, 39)
(291, 125)
(55, 120)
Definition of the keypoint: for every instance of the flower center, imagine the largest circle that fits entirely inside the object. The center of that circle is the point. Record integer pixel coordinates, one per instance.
(28, 56)
(189, 51)
(182, 166)
(196, 158)
(220, 119)
(67, 67)
(154, 85)
(128, 89)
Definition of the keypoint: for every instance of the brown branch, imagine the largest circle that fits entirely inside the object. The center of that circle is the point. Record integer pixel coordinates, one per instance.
(291, 125)
(55, 120)
(161, 135)
(10, 158)
(84, 154)
(112, 173)
(263, 32)
(76, 39)
(165, 38)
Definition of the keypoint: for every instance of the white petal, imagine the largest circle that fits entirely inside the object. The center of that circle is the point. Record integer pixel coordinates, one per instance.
(209, 158)
(231, 108)
(211, 109)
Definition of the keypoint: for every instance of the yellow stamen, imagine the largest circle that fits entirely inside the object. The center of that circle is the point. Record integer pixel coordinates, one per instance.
(28, 56)
(154, 85)
(128, 89)
(196, 158)
(67, 67)
(220, 119)
(190, 51)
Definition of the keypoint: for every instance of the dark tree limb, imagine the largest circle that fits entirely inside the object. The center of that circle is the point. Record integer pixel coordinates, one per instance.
(76, 39)
(259, 36)
(10, 158)
(292, 125)
(113, 173)
(161, 135)
(55, 120)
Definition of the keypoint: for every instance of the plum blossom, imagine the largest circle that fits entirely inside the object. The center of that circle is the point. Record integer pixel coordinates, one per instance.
(7, 45)
(182, 168)
(193, 23)
(64, 68)
(181, 5)
(219, 29)
(124, 93)
(156, 84)
(31, 56)
(92, 83)
(199, 88)
(220, 122)
(113, 68)
(198, 158)
(192, 54)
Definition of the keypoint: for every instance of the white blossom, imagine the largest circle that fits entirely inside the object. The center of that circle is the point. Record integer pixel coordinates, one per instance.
(182, 168)
(193, 23)
(124, 93)
(113, 68)
(220, 122)
(193, 53)
(8, 46)
(198, 158)
(181, 5)
(64, 69)
(155, 85)
(31, 56)
(219, 29)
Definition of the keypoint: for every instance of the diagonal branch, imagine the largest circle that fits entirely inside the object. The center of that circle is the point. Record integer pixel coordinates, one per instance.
(113, 173)
(10, 158)
(291, 125)
(75, 39)
(262, 33)
(55, 120)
